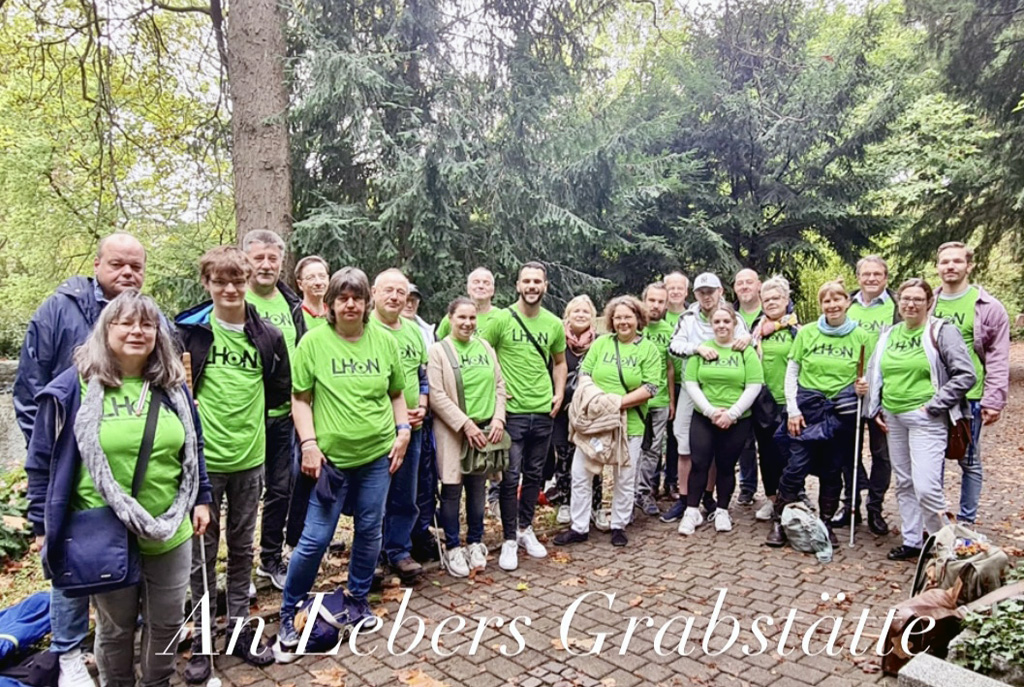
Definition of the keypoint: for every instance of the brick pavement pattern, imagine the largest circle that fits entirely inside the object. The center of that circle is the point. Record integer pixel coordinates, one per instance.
(660, 575)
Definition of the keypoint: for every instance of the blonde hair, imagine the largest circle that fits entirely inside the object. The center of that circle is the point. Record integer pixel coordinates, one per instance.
(95, 359)
(832, 288)
(576, 303)
(776, 283)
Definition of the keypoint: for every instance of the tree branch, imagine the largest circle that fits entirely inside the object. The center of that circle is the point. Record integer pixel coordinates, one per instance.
(187, 8)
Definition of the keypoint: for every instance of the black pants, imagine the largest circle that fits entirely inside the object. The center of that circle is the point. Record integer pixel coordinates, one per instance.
(877, 483)
(721, 447)
(771, 455)
(531, 437)
(672, 452)
(426, 489)
(278, 480)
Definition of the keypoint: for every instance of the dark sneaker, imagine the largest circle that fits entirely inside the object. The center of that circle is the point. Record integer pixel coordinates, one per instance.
(674, 513)
(904, 553)
(425, 550)
(648, 506)
(877, 524)
(570, 536)
(842, 518)
(671, 490)
(276, 571)
(746, 498)
(262, 656)
(287, 639)
(619, 538)
(407, 570)
(777, 535)
(198, 668)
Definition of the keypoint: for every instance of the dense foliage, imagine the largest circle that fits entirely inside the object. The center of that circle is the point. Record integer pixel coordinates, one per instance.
(615, 141)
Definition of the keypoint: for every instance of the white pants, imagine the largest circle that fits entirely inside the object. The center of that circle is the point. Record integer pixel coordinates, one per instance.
(583, 490)
(681, 425)
(917, 449)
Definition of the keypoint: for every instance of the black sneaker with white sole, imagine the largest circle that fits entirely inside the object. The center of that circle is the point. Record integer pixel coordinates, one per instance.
(275, 571)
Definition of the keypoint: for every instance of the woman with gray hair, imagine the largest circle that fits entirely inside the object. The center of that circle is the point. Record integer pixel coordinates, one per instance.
(119, 430)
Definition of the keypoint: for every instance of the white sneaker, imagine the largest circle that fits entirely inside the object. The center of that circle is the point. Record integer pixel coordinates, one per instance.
(766, 511)
(252, 589)
(455, 562)
(509, 558)
(477, 556)
(494, 509)
(73, 672)
(528, 540)
(602, 519)
(723, 523)
(691, 521)
(564, 517)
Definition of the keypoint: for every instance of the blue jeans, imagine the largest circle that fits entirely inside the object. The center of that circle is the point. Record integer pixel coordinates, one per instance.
(970, 483)
(69, 620)
(362, 494)
(531, 436)
(748, 466)
(402, 511)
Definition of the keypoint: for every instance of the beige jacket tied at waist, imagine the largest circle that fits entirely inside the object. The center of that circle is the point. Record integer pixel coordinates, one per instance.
(444, 403)
(597, 425)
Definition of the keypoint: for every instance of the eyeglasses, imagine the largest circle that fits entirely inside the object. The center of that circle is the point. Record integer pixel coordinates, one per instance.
(129, 325)
(908, 300)
(239, 284)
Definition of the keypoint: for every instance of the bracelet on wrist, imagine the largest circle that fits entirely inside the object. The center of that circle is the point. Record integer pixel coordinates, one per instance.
(404, 425)
(307, 441)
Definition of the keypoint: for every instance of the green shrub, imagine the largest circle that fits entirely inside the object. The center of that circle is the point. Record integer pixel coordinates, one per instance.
(15, 531)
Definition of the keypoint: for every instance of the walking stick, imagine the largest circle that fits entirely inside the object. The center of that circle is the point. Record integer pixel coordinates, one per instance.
(186, 360)
(859, 438)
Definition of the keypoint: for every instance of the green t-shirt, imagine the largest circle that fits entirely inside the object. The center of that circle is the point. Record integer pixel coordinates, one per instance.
(414, 354)
(959, 310)
(774, 359)
(642, 363)
(275, 310)
(351, 384)
(478, 383)
(483, 322)
(874, 319)
(749, 317)
(526, 375)
(121, 433)
(829, 363)
(673, 319)
(723, 379)
(312, 322)
(660, 334)
(906, 373)
(231, 403)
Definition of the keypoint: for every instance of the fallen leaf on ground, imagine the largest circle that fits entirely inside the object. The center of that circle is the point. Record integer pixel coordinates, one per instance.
(575, 643)
(636, 601)
(522, 587)
(417, 678)
(560, 557)
(668, 576)
(330, 677)
(602, 572)
(573, 582)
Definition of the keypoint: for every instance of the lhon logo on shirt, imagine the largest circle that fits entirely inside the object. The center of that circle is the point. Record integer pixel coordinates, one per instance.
(831, 350)
(227, 358)
(350, 366)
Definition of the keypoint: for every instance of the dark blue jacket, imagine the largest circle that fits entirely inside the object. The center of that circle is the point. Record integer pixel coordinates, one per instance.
(53, 459)
(196, 337)
(61, 324)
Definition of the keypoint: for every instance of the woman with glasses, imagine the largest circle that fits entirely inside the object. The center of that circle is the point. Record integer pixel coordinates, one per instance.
(83, 456)
(920, 374)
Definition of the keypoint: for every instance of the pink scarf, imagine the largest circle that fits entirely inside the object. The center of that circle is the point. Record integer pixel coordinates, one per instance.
(581, 343)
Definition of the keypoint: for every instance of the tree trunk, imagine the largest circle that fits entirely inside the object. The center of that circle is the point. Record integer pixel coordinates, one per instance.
(259, 118)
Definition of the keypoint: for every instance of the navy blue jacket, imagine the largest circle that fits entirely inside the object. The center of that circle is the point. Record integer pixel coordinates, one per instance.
(197, 337)
(53, 459)
(61, 324)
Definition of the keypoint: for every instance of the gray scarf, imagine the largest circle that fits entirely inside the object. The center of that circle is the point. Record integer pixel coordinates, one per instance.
(128, 510)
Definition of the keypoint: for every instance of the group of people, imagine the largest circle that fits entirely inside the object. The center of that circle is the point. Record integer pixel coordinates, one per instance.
(342, 400)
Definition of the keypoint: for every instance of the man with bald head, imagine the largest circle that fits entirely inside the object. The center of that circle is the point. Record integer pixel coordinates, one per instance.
(390, 293)
(480, 288)
(61, 324)
(747, 287)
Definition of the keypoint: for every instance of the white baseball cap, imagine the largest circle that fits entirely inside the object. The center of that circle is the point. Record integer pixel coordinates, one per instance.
(707, 280)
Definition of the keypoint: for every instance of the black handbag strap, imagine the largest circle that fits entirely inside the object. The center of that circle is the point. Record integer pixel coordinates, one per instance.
(618, 364)
(156, 398)
(540, 351)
